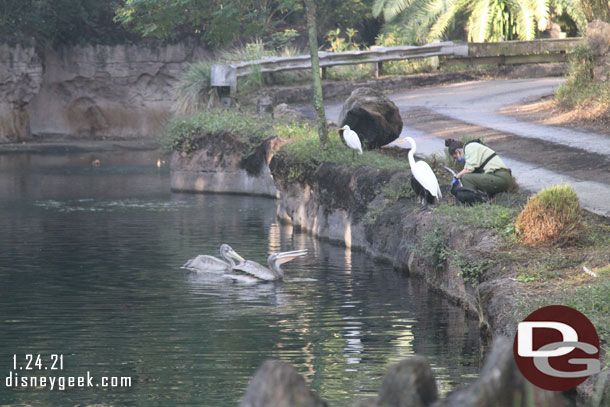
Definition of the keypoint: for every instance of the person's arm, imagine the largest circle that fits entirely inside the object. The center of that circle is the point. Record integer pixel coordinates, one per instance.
(464, 171)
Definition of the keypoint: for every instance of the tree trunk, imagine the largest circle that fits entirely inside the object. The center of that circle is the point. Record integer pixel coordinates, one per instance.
(318, 101)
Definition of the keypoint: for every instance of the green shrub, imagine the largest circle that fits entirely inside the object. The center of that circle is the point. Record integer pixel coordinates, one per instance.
(183, 134)
(579, 87)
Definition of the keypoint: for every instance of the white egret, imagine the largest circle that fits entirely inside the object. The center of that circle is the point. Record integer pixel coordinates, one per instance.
(352, 140)
(211, 264)
(274, 272)
(423, 180)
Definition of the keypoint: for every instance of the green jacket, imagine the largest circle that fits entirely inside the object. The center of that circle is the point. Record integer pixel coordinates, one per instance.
(476, 153)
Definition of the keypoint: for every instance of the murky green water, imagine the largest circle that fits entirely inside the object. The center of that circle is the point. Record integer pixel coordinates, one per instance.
(90, 269)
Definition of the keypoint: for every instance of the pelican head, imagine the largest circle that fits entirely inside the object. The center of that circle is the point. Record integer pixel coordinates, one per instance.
(230, 255)
(277, 259)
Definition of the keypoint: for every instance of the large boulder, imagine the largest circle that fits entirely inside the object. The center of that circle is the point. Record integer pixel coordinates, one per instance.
(598, 39)
(278, 384)
(373, 116)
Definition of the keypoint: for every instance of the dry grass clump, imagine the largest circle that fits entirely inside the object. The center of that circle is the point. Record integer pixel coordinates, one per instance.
(551, 217)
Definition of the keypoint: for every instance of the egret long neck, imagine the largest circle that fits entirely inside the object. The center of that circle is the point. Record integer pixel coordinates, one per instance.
(411, 152)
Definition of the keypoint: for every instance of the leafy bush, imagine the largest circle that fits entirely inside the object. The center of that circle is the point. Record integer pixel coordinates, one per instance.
(552, 216)
(580, 76)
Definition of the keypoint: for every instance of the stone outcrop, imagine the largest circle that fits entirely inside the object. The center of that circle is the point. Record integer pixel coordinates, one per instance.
(220, 166)
(373, 116)
(278, 384)
(409, 382)
(598, 40)
(501, 384)
(92, 92)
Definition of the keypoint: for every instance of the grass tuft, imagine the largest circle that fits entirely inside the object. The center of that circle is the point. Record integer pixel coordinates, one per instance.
(551, 217)
(192, 88)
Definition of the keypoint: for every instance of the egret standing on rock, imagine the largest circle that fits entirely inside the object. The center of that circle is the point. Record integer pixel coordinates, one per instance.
(352, 140)
(423, 180)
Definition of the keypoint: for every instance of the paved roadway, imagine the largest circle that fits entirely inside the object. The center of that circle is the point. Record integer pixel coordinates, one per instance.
(476, 104)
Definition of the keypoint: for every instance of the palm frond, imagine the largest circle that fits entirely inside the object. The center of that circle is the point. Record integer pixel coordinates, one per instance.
(479, 21)
(451, 8)
(393, 8)
(524, 15)
(541, 12)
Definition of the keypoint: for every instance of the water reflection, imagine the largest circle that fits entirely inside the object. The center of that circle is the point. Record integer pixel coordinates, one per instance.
(93, 272)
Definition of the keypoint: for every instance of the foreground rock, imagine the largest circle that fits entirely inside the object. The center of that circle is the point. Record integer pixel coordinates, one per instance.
(278, 384)
(373, 116)
(501, 384)
(411, 383)
(408, 383)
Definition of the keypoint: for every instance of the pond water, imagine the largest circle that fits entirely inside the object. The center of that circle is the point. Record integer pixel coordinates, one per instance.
(90, 271)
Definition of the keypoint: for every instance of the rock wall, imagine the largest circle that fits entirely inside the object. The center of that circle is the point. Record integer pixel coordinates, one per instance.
(93, 92)
(20, 80)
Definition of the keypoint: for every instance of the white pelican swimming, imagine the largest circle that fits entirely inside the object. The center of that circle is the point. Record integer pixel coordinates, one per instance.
(205, 263)
(273, 272)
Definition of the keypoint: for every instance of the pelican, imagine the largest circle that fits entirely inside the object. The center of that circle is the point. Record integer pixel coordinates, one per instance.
(204, 263)
(273, 272)
(352, 140)
(423, 180)
(467, 196)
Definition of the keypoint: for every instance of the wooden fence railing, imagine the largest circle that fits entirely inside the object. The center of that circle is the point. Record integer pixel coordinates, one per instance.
(450, 53)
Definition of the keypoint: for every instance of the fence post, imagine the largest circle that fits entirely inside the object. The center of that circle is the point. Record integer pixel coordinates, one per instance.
(379, 69)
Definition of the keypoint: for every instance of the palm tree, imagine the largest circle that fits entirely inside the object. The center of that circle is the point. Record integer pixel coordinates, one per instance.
(485, 20)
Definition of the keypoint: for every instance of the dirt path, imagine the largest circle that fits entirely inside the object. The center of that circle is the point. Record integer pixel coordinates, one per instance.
(540, 155)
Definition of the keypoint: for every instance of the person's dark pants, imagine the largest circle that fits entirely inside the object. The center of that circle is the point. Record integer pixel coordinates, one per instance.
(492, 183)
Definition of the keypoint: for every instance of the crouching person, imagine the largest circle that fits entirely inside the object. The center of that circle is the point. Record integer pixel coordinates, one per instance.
(483, 169)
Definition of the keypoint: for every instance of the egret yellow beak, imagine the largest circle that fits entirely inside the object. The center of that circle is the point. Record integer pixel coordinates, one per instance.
(342, 128)
(401, 141)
